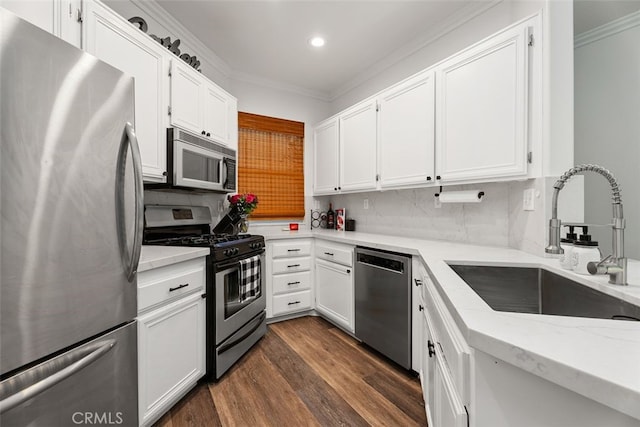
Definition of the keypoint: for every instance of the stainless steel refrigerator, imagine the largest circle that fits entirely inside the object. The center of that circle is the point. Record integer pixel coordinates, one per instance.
(71, 227)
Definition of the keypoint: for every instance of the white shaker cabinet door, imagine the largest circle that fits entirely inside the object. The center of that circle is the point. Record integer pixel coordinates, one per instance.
(358, 152)
(117, 42)
(171, 354)
(481, 130)
(216, 113)
(187, 86)
(325, 147)
(406, 129)
(334, 293)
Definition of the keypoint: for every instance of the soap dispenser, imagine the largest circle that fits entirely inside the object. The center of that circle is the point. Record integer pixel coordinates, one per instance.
(568, 244)
(585, 251)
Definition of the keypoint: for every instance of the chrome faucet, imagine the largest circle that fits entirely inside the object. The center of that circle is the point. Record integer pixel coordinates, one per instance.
(614, 265)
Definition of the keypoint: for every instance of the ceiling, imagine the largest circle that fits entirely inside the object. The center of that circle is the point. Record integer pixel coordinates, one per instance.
(269, 39)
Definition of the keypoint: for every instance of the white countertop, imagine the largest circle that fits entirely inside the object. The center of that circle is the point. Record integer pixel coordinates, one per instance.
(597, 358)
(159, 256)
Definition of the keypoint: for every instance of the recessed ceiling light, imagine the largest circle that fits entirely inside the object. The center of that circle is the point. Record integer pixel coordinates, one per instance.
(316, 41)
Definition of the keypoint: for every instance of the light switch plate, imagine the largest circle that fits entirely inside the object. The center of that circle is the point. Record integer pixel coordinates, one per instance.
(365, 204)
(528, 199)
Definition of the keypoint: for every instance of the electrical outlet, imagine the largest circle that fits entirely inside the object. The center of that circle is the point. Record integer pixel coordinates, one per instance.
(528, 199)
(365, 204)
(436, 203)
(220, 205)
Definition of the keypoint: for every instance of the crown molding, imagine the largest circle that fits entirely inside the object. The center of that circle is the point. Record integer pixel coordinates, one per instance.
(241, 76)
(157, 12)
(454, 21)
(614, 27)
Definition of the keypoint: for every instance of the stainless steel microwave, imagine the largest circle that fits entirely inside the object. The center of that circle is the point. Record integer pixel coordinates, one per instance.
(199, 164)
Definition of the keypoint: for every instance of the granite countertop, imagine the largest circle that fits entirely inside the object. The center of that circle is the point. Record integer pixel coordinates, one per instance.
(159, 256)
(597, 358)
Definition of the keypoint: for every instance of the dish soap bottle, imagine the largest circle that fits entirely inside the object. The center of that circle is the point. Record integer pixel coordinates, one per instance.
(331, 218)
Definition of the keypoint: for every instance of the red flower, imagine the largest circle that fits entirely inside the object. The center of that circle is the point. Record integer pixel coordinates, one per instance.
(234, 199)
(250, 198)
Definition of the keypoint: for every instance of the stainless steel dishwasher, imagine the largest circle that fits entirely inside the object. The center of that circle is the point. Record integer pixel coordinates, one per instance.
(383, 303)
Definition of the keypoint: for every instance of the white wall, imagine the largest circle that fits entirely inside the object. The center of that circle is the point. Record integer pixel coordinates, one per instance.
(607, 126)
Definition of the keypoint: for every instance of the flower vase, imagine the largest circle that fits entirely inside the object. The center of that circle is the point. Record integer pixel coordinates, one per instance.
(244, 224)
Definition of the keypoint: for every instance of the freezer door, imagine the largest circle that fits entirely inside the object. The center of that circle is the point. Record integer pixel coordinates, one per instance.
(69, 211)
(93, 384)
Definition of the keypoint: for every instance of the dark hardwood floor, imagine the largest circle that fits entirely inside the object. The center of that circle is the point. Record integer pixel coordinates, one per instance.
(305, 372)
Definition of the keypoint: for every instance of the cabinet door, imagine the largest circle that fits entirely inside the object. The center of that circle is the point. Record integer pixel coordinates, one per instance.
(59, 17)
(325, 171)
(358, 138)
(115, 41)
(215, 107)
(448, 411)
(334, 292)
(482, 109)
(406, 129)
(187, 107)
(170, 354)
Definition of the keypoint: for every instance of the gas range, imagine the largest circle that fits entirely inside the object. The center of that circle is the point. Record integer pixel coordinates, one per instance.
(190, 226)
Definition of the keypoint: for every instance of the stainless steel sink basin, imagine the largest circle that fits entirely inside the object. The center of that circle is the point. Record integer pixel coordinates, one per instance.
(536, 290)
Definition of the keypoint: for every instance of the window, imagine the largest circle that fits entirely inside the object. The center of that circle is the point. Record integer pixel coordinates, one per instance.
(271, 165)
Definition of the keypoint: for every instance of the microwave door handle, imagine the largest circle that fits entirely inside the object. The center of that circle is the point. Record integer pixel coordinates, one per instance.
(224, 172)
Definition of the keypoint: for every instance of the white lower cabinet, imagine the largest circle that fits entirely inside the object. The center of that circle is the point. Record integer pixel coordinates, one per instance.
(334, 292)
(335, 283)
(171, 336)
(289, 278)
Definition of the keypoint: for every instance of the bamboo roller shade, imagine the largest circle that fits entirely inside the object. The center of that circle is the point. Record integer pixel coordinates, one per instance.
(271, 165)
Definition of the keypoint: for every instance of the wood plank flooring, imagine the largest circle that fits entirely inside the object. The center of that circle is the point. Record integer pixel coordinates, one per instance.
(305, 372)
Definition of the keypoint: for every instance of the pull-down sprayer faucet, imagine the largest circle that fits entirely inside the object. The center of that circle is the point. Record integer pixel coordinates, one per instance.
(614, 265)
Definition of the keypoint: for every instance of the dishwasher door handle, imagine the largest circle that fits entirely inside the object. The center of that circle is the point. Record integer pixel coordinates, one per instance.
(379, 267)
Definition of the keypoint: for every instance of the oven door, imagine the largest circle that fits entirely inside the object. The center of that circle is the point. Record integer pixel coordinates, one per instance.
(232, 313)
(197, 167)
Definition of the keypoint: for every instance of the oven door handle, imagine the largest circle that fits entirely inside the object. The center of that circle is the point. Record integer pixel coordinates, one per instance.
(228, 346)
(225, 266)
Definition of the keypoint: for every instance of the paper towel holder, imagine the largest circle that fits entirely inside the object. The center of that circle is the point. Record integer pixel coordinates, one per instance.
(467, 196)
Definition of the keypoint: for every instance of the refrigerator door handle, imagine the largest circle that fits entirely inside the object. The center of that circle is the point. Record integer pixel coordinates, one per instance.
(130, 260)
(36, 380)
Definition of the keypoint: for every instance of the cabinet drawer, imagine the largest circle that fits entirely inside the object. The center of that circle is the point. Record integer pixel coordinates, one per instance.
(448, 337)
(291, 248)
(291, 265)
(291, 282)
(166, 283)
(335, 252)
(291, 302)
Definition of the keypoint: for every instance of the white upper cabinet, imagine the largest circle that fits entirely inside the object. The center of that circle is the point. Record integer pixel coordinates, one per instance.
(325, 156)
(112, 39)
(200, 106)
(358, 153)
(481, 109)
(406, 132)
(59, 17)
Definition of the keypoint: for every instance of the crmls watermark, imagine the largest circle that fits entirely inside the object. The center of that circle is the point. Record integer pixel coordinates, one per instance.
(97, 418)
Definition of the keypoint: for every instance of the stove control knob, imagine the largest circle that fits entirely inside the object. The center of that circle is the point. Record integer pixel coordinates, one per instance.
(227, 252)
(235, 251)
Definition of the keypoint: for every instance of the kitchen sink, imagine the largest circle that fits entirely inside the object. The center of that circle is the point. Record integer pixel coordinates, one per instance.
(536, 290)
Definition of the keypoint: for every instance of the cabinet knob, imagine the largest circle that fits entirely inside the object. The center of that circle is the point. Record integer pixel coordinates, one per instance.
(208, 134)
(438, 177)
(348, 271)
(418, 282)
(339, 188)
(420, 307)
(164, 173)
(428, 178)
(335, 188)
(203, 132)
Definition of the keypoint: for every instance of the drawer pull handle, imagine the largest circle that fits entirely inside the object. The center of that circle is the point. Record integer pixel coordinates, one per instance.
(431, 348)
(418, 282)
(293, 283)
(178, 287)
(293, 265)
(293, 303)
(293, 250)
(420, 307)
(328, 253)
